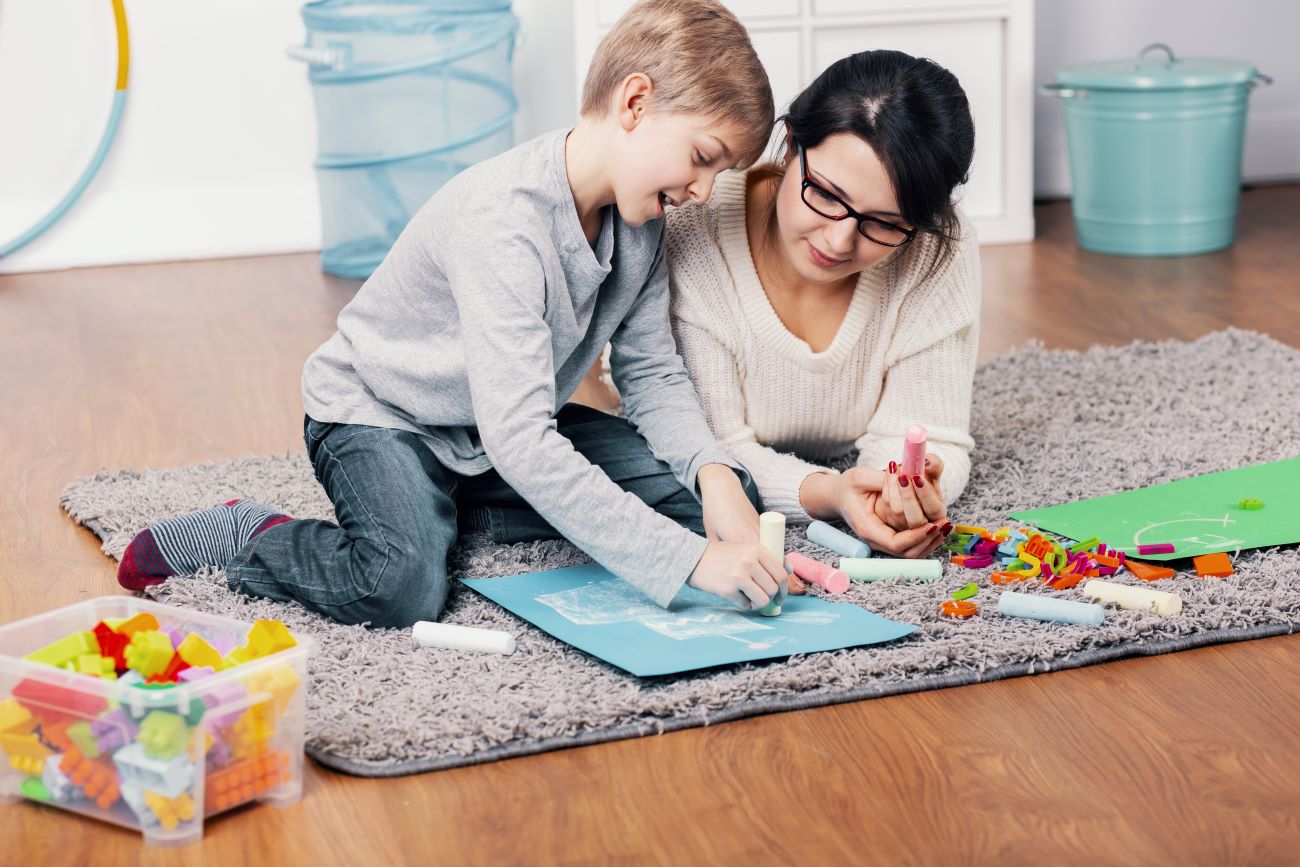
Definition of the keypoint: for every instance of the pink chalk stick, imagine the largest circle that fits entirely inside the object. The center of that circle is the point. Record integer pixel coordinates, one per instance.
(826, 577)
(1158, 548)
(914, 450)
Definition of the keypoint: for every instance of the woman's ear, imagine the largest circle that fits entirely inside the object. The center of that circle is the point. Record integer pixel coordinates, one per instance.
(789, 155)
(632, 100)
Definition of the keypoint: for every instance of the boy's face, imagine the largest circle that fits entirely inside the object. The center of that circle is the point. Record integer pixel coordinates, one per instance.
(670, 158)
(824, 250)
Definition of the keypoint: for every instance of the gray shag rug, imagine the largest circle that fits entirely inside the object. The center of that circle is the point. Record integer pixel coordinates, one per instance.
(1050, 426)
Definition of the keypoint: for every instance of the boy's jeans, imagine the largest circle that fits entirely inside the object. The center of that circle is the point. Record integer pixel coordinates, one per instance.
(399, 509)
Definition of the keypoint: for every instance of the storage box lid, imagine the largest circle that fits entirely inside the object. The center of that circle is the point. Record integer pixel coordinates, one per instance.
(1157, 68)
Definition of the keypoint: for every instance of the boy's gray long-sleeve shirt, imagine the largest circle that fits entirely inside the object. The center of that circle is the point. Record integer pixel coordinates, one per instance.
(481, 323)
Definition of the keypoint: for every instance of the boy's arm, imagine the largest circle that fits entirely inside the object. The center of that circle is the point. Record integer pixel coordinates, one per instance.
(501, 294)
(713, 370)
(657, 394)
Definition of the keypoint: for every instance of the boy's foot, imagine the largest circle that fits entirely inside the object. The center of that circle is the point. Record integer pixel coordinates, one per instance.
(182, 545)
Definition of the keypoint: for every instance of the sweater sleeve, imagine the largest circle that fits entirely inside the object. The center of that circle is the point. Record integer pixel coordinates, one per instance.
(714, 371)
(656, 392)
(930, 371)
(508, 356)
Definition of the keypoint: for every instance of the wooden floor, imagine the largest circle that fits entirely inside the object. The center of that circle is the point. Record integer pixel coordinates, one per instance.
(1181, 759)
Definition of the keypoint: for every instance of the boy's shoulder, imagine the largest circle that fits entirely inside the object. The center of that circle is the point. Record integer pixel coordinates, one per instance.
(527, 181)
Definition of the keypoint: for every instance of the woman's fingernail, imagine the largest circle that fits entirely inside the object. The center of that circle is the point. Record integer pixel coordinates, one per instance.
(934, 528)
(893, 467)
(946, 528)
(902, 480)
(916, 480)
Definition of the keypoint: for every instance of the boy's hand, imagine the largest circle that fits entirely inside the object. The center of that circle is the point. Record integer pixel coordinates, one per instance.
(729, 516)
(744, 573)
(905, 503)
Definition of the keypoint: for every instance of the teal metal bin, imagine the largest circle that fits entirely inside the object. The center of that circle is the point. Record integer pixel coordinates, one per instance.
(1155, 151)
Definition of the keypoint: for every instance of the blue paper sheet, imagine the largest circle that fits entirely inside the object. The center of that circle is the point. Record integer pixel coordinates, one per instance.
(588, 607)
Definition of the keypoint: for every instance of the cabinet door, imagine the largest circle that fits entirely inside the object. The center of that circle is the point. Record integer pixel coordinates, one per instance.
(972, 51)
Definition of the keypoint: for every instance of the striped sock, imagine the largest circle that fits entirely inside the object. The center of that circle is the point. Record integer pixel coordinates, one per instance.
(183, 545)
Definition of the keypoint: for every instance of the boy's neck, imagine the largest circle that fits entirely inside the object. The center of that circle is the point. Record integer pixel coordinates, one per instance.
(585, 169)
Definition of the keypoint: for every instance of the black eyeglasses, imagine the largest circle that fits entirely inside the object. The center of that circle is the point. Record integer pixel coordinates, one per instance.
(825, 203)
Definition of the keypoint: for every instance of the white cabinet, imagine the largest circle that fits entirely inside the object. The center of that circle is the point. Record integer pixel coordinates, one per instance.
(987, 45)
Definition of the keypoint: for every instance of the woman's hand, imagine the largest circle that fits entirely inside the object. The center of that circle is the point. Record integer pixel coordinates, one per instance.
(856, 497)
(908, 502)
(911, 543)
(729, 516)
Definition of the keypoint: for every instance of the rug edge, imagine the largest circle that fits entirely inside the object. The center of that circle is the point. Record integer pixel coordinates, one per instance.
(861, 693)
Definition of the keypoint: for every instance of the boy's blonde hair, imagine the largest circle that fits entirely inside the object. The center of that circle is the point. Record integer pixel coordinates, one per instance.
(698, 56)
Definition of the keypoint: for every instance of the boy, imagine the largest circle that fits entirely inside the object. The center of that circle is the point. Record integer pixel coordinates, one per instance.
(440, 400)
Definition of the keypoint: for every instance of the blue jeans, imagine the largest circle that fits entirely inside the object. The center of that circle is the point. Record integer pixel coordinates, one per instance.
(399, 511)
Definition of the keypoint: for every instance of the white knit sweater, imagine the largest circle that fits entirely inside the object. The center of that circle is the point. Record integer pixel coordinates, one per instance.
(904, 354)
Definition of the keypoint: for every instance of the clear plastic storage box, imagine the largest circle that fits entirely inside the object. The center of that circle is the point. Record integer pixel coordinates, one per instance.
(156, 757)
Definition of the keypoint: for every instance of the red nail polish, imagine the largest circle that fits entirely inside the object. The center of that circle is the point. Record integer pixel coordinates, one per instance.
(893, 467)
(902, 480)
(933, 529)
(947, 528)
(916, 480)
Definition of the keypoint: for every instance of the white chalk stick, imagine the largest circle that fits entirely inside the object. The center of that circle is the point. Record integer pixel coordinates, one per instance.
(771, 535)
(878, 568)
(1135, 598)
(454, 637)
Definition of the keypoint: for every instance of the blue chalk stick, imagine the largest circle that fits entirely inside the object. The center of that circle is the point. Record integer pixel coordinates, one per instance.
(1013, 604)
(821, 533)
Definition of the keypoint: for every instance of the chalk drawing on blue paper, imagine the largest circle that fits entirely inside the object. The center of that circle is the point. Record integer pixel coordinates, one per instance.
(694, 614)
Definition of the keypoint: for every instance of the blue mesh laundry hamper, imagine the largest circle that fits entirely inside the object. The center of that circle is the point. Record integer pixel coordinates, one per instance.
(407, 94)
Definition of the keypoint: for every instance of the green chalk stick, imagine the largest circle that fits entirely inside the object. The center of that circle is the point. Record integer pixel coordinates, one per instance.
(1085, 545)
(876, 568)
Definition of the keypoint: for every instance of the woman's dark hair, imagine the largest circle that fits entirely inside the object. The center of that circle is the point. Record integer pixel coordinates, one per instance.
(916, 118)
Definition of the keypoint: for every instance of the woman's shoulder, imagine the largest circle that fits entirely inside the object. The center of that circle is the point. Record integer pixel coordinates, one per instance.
(929, 267)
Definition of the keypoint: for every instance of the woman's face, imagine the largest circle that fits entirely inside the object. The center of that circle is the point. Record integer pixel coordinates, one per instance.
(820, 249)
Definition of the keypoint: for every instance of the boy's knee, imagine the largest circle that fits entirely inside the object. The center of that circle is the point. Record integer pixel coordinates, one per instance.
(751, 491)
(412, 588)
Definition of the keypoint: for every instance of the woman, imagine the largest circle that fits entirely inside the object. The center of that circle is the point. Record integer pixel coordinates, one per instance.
(830, 301)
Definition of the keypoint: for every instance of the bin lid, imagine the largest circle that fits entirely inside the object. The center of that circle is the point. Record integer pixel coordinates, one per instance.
(1157, 68)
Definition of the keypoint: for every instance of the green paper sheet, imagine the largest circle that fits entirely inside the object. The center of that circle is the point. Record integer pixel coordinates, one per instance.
(1199, 515)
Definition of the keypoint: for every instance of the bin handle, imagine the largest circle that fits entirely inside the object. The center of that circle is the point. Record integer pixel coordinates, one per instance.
(1260, 80)
(1162, 47)
(1058, 89)
(334, 58)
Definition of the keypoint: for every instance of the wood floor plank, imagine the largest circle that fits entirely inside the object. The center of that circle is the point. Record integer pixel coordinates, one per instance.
(1183, 758)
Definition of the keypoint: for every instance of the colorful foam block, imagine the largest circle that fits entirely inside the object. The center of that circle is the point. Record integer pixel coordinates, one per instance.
(142, 622)
(66, 649)
(149, 652)
(195, 651)
(1213, 565)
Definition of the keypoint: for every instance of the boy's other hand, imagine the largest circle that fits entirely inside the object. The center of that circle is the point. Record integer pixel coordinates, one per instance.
(744, 573)
(729, 516)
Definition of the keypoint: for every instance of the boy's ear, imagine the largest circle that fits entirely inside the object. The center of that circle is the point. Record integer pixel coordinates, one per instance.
(632, 100)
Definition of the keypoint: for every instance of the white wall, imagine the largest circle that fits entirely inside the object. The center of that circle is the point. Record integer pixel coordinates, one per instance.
(214, 154)
(1264, 32)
